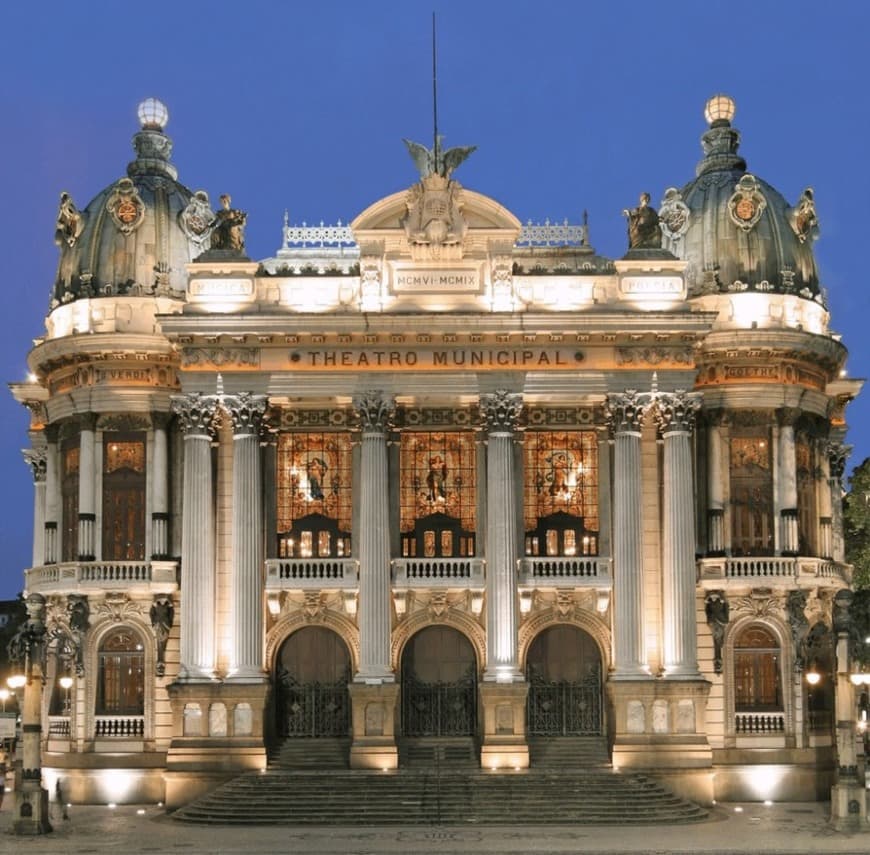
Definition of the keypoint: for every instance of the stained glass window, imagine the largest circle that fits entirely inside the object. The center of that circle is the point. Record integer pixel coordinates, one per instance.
(561, 493)
(438, 493)
(123, 497)
(751, 495)
(315, 500)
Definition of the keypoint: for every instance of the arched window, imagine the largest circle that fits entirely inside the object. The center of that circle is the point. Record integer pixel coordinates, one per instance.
(121, 674)
(757, 682)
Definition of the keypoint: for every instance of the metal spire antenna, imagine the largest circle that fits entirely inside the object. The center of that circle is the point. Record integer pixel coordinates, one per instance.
(435, 147)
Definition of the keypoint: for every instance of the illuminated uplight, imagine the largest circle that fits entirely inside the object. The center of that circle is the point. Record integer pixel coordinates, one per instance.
(813, 677)
(153, 114)
(768, 803)
(141, 811)
(16, 681)
(719, 108)
(738, 809)
(111, 805)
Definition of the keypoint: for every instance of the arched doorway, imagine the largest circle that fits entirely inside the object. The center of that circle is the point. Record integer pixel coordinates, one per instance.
(439, 684)
(312, 670)
(563, 668)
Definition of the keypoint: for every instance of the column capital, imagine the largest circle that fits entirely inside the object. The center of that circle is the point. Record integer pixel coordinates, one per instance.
(247, 411)
(501, 410)
(787, 416)
(86, 421)
(35, 458)
(625, 411)
(375, 410)
(837, 454)
(676, 411)
(160, 420)
(197, 413)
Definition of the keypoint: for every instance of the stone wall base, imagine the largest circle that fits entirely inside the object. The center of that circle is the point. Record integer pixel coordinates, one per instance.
(503, 713)
(374, 726)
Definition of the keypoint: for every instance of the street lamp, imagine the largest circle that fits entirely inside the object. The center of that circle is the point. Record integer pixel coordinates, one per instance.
(65, 682)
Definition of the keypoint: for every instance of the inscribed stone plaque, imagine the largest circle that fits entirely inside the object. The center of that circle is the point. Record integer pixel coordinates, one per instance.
(636, 716)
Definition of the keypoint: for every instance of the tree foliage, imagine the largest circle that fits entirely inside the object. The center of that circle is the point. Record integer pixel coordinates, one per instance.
(856, 524)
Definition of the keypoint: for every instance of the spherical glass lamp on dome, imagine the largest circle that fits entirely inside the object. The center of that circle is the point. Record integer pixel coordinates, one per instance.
(153, 114)
(719, 108)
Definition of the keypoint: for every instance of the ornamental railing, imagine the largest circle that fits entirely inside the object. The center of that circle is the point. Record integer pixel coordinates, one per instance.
(553, 234)
(99, 574)
(323, 235)
(770, 569)
(284, 573)
(592, 571)
(759, 723)
(58, 727)
(438, 572)
(119, 726)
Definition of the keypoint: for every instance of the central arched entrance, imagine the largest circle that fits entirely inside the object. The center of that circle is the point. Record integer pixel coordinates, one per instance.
(312, 671)
(563, 668)
(439, 684)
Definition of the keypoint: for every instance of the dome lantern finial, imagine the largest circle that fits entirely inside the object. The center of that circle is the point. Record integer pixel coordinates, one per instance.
(153, 114)
(719, 110)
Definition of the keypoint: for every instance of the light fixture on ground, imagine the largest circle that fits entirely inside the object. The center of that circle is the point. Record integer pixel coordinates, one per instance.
(65, 683)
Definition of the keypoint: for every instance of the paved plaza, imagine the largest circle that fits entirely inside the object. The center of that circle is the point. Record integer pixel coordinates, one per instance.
(755, 828)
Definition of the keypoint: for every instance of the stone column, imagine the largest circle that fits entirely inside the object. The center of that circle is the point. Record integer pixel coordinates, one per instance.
(160, 488)
(715, 487)
(837, 455)
(35, 457)
(823, 492)
(626, 413)
(675, 413)
(500, 411)
(52, 495)
(197, 414)
(87, 488)
(375, 410)
(787, 483)
(246, 652)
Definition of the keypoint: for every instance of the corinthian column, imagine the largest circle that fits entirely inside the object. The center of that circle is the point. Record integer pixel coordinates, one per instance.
(626, 412)
(715, 489)
(500, 411)
(375, 410)
(52, 495)
(160, 488)
(837, 455)
(246, 652)
(87, 488)
(675, 414)
(35, 457)
(196, 413)
(787, 477)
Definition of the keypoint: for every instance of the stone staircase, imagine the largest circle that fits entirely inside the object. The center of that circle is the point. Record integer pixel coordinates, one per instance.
(446, 796)
(434, 753)
(569, 752)
(311, 754)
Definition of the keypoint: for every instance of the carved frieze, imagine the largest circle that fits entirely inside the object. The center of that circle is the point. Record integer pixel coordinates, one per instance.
(501, 410)
(582, 417)
(197, 414)
(316, 418)
(654, 356)
(125, 422)
(118, 607)
(375, 410)
(413, 417)
(246, 411)
(219, 357)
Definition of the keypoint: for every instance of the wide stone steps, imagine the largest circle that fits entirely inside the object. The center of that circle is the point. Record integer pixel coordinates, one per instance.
(594, 796)
(569, 752)
(311, 754)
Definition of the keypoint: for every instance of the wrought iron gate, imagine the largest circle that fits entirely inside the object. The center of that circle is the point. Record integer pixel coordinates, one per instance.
(565, 708)
(313, 709)
(438, 709)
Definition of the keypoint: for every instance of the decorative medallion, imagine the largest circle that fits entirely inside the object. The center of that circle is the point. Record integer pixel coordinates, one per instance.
(673, 215)
(747, 204)
(126, 206)
(803, 217)
(196, 219)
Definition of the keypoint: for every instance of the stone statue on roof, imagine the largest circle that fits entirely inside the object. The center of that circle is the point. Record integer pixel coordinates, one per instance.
(644, 231)
(437, 161)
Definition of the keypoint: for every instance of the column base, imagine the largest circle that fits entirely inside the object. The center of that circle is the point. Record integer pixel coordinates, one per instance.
(246, 675)
(30, 812)
(187, 674)
(503, 708)
(640, 672)
(373, 709)
(848, 805)
(374, 678)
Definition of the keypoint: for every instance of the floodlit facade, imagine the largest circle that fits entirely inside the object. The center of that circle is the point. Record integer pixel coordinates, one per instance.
(438, 476)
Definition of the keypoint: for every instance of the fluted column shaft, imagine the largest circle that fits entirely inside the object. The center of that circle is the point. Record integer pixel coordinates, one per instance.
(501, 410)
(35, 458)
(715, 491)
(52, 496)
(626, 414)
(87, 489)
(676, 416)
(837, 455)
(197, 416)
(246, 652)
(160, 489)
(787, 485)
(375, 410)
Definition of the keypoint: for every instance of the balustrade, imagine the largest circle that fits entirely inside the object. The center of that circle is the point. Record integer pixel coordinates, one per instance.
(759, 723)
(437, 571)
(119, 726)
(311, 573)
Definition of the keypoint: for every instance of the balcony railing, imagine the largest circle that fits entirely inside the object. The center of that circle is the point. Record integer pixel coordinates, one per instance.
(438, 572)
(770, 570)
(100, 574)
(58, 727)
(587, 571)
(763, 724)
(119, 726)
(284, 573)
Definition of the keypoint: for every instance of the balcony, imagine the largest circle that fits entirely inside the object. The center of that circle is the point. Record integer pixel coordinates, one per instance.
(92, 577)
(312, 573)
(771, 572)
(565, 572)
(438, 572)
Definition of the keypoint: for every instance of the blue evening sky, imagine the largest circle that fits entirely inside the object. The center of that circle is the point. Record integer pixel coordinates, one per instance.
(574, 105)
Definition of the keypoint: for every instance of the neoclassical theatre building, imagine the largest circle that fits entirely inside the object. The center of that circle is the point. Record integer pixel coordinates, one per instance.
(438, 481)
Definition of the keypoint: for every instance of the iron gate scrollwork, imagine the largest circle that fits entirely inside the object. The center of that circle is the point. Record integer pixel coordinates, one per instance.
(565, 707)
(315, 709)
(439, 709)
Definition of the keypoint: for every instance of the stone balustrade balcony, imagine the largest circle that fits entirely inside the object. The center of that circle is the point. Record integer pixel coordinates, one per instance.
(566, 572)
(311, 573)
(94, 577)
(438, 573)
(772, 572)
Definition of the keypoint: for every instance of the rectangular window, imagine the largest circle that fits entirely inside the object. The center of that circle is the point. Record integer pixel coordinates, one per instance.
(806, 495)
(751, 495)
(69, 494)
(124, 497)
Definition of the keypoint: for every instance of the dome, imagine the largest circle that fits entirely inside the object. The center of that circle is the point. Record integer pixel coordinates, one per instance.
(736, 231)
(138, 233)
